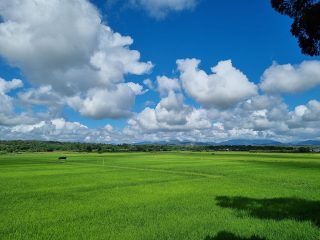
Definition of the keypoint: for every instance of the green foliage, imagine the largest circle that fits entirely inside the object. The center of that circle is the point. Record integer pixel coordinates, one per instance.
(160, 196)
(306, 22)
(51, 146)
(303, 149)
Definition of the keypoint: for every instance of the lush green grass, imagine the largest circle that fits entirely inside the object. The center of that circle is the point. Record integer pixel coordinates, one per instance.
(240, 196)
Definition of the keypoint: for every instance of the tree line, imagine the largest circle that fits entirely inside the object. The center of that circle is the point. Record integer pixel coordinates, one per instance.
(53, 146)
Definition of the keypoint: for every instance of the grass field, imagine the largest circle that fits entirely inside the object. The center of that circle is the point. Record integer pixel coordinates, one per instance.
(184, 195)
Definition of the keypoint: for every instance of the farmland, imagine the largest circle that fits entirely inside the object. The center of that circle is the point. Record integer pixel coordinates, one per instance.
(163, 195)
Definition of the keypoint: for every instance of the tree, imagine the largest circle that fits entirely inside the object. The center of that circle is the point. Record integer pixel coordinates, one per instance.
(306, 22)
(304, 149)
(89, 148)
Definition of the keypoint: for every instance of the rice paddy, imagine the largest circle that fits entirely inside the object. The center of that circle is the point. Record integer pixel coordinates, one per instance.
(170, 195)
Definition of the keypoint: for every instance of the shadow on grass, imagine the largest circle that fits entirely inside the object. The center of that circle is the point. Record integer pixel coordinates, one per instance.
(223, 235)
(274, 208)
(286, 164)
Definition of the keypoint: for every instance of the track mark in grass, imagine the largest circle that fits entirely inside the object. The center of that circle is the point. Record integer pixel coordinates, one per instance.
(55, 193)
(186, 173)
(274, 208)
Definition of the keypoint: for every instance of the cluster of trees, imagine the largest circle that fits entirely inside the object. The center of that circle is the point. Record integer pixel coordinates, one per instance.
(50, 146)
(306, 22)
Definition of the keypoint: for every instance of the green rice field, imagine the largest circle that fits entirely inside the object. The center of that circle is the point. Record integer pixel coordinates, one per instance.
(170, 195)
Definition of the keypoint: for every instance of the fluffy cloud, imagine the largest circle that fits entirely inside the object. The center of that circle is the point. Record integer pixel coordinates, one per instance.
(161, 119)
(291, 78)
(259, 114)
(65, 46)
(58, 129)
(55, 129)
(171, 119)
(311, 112)
(166, 85)
(6, 101)
(114, 103)
(43, 95)
(160, 8)
(81, 62)
(7, 86)
(259, 117)
(8, 117)
(303, 122)
(305, 115)
(170, 114)
(251, 115)
(225, 87)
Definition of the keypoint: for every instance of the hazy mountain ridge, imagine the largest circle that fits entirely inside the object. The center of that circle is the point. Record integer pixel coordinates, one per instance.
(239, 142)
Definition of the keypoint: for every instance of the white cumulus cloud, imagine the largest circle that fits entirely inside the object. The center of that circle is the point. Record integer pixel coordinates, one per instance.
(166, 85)
(289, 78)
(224, 88)
(171, 113)
(7, 86)
(66, 46)
(8, 116)
(98, 103)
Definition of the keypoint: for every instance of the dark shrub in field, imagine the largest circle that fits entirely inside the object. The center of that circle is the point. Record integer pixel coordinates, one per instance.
(224, 235)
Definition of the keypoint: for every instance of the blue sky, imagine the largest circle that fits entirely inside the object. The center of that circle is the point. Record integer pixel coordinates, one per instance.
(84, 104)
(250, 33)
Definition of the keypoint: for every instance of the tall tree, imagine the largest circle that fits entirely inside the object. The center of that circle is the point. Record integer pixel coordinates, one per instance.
(306, 22)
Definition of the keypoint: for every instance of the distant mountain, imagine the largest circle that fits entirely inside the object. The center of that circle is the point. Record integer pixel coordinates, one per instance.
(252, 142)
(177, 142)
(307, 143)
(238, 142)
